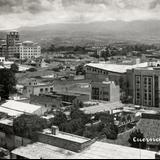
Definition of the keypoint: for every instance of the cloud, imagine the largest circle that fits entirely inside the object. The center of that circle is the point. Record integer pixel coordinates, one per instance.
(17, 13)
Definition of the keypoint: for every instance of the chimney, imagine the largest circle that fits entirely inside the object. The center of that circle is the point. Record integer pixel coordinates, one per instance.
(55, 130)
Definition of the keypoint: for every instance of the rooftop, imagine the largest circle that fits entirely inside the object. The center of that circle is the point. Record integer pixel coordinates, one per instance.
(102, 107)
(98, 150)
(15, 108)
(117, 68)
(149, 126)
(10, 112)
(6, 122)
(66, 136)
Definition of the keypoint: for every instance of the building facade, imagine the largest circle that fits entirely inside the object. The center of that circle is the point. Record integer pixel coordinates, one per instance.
(35, 88)
(105, 91)
(29, 50)
(144, 86)
(13, 38)
(13, 48)
(2, 59)
(115, 72)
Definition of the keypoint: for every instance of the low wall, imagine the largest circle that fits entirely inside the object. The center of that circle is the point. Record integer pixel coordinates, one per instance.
(61, 143)
(11, 141)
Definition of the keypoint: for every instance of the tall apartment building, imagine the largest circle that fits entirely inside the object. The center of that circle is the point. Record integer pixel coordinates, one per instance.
(11, 49)
(13, 38)
(28, 50)
(105, 91)
(15, 49)
(144, 86)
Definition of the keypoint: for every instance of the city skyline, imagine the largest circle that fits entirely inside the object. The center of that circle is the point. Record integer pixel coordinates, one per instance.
(20, 13)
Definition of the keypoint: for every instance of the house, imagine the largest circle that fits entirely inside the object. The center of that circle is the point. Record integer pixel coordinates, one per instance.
(105, 91)
(16, 108)
(35, 88)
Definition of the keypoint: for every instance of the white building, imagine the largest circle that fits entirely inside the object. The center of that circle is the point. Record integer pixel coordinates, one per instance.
(2, 59)
(29, 50)
(35, 88)
(15, 108)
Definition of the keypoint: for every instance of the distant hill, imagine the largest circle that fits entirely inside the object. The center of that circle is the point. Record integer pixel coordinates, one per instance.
(97, 32)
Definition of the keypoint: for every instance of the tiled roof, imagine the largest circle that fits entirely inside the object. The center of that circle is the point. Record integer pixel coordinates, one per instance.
(150, 127)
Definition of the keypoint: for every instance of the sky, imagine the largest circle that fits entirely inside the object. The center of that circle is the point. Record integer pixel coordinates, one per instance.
(20, 13)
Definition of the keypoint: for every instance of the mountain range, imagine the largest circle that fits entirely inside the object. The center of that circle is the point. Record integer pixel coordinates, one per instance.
(97, 32)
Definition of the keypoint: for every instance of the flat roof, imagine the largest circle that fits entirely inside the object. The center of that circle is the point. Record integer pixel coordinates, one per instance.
(117, 68)
(66, 136)
(18, 107)
(11, 113)
(102, 107)
(98, 150)
(6, 122)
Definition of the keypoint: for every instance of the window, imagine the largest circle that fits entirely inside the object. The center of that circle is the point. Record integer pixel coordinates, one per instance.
(41, 90)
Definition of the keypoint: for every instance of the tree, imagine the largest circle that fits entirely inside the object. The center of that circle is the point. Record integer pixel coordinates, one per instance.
(80, 70)
(14, 68)
(78, 114)
(110, 129)
(75, 126)
(134, 140)
(28, 126)
(7, 83)
(59, 119)
(105, 55)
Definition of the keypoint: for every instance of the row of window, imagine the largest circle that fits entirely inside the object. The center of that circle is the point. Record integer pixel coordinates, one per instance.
(46, 89)
(97, 70)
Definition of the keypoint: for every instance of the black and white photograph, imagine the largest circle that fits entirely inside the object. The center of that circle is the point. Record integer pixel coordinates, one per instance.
(79, 79)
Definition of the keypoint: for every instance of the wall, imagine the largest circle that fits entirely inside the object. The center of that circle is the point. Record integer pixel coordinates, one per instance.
(100, 75)
(11, 141)
(35, 90)
(47, 101)
(107, 92)
(62, 143)
(114, 93)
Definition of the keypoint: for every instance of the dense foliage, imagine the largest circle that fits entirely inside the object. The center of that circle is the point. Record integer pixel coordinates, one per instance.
(7, 83)
(28, 126)
(14, 68)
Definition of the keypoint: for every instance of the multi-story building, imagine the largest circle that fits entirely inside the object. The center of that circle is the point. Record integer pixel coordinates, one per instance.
(15, 49)
(2, 59)
(105, 91)
(13, 38)
(35, 88)
(144, 86)
(1, 51)
(11, 49)
(115, 72)
(28, 50)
